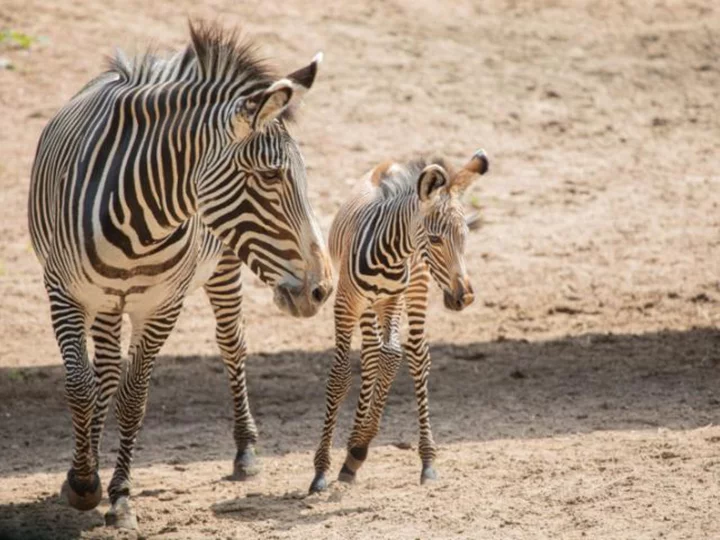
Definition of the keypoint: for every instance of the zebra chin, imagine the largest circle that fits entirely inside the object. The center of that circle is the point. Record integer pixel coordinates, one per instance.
(301, 301)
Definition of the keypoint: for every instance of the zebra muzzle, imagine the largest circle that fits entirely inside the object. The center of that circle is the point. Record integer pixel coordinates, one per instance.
(460, 298)
(303, 300)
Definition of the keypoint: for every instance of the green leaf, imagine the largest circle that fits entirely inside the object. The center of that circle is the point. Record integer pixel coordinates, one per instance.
(17, 39)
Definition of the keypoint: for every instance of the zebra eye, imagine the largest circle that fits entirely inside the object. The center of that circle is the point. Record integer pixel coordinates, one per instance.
(435, 239)
(270, 177)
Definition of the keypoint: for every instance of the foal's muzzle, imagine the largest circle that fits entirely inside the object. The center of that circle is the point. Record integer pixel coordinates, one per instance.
(460, 297)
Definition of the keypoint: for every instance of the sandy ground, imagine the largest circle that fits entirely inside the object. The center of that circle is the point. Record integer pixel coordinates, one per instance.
(577, 398)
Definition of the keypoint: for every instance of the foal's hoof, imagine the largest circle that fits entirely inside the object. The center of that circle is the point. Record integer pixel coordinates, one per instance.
(121, 515)
(82, 494)
(346, 475)
(428, 474)
(319, 483)
(246, 465)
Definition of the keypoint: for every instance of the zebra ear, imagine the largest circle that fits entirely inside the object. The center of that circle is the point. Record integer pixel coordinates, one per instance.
(478, 165)
(431, 180)
(304, 77)
(265, 106)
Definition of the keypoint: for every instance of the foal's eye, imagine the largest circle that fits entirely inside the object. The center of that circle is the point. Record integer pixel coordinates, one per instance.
(435, 239)
(270, 177)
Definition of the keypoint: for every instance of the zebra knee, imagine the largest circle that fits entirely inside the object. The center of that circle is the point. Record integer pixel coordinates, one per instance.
(339, 382)
(392, 349)
(391, 353)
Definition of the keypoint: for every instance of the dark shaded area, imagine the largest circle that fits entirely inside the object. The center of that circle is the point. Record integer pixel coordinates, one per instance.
(480, 391)
(286, 511)
(48, 518)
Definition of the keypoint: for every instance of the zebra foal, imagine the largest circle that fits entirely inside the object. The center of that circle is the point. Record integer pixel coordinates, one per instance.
(404, 227)
(163, 175)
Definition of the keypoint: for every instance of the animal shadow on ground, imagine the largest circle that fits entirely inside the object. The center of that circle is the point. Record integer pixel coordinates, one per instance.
(286, 511)
(509, 389)
(47, 518)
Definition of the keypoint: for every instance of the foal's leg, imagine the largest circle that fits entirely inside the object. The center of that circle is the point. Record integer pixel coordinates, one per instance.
(338, 384)
(371, 345)
(105, 332)
(69, 320)
(418, 356)
(149, 335)
(224, 289)
(388, 361)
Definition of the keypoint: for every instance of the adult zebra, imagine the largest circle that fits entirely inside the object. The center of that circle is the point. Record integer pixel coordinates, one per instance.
(404, 225)
(159, 176)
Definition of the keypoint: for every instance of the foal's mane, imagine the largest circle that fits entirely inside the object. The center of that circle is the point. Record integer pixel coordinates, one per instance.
(393, 182)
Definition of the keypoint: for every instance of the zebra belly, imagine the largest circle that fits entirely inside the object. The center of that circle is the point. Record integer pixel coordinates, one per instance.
(139, 291)
(142, 299)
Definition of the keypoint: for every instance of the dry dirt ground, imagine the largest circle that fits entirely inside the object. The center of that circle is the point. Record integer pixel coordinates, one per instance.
(577, 398)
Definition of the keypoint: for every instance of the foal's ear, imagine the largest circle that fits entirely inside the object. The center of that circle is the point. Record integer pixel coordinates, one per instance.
(431, 180)
(478, 165)
(261, 108)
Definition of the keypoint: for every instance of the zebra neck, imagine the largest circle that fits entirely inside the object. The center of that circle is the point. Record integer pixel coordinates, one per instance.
(391, 231)
(149, 204)
(154, 152)
(384, 244)
(124, 208)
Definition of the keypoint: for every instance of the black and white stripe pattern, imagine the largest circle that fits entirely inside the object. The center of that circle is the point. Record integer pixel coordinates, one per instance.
(404, 226)
(160, 176)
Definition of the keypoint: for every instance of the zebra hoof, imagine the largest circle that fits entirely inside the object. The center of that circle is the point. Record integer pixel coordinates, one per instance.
(82, 495)
(246, 465)
(121, 515)
(319, 484)
(428, 475)
(346, 475)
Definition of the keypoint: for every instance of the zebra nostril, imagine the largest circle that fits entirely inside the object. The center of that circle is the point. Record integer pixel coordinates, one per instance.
(319, 294)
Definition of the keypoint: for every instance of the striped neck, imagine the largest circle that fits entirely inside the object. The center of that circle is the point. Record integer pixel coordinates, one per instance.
(154, 145)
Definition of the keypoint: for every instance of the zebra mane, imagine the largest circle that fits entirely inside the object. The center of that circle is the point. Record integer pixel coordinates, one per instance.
(401, 181)
(213, 54)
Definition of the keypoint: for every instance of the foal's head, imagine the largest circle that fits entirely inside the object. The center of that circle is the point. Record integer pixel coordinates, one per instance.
(443, 229)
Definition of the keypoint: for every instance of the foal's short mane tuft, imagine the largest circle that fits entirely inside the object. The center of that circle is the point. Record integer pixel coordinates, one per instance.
(393, 182)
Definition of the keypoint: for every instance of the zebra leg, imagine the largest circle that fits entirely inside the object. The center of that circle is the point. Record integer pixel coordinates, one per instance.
(389, 362)
(418, 355)
(148, 337)
(105, 332)
(224, 289)
(82, 486)
(371, 344)
(389, 358)
(337, 388)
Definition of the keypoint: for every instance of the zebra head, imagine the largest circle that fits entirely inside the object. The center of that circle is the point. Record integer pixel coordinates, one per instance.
(253, 195)
(443, 230)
